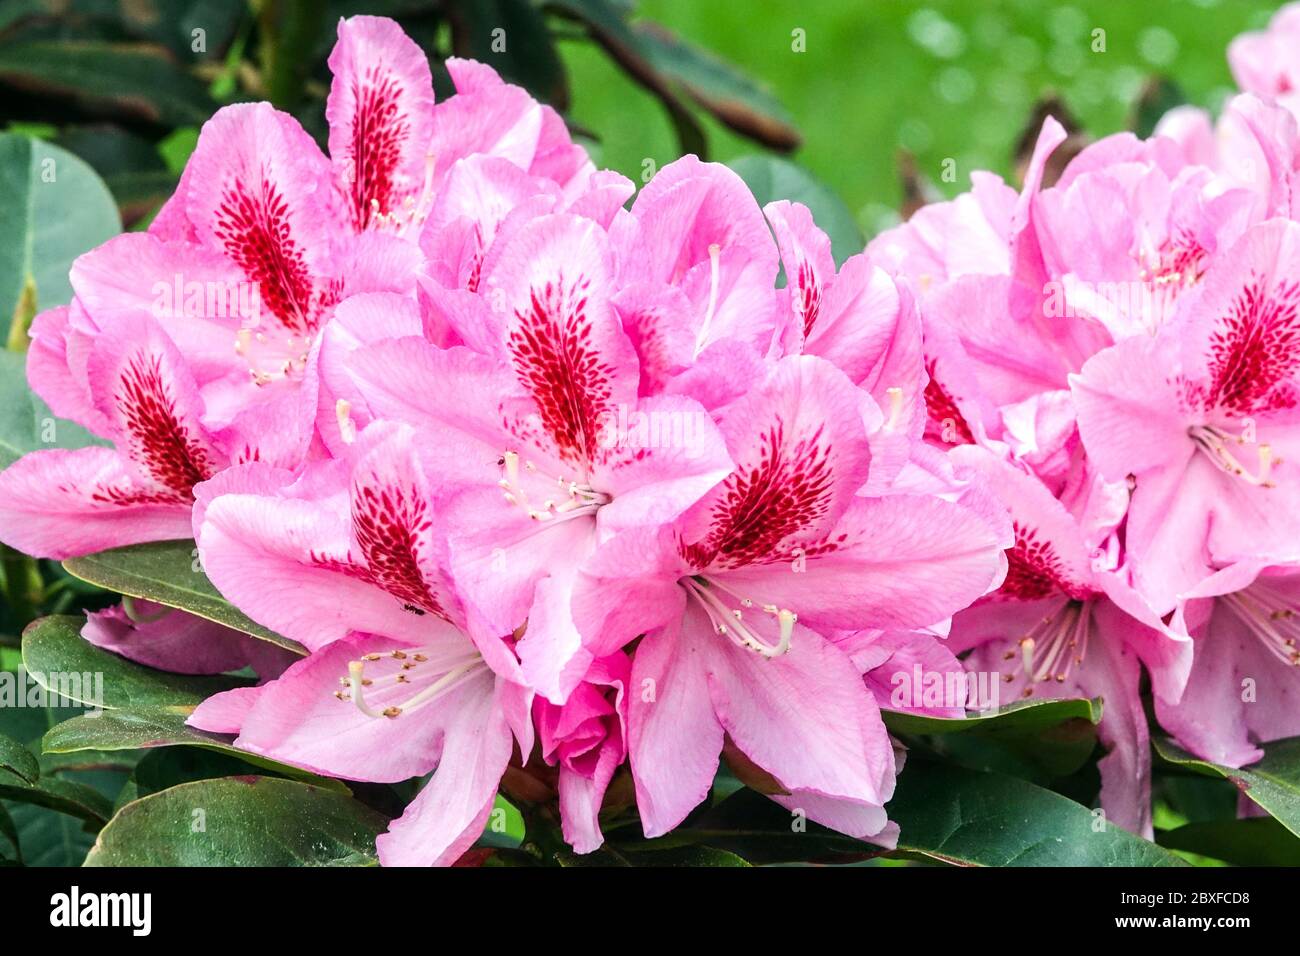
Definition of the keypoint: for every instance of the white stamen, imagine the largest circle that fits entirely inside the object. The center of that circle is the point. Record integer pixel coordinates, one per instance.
(458, 669)
(580, 499)
(730, 622)
(1214, 441)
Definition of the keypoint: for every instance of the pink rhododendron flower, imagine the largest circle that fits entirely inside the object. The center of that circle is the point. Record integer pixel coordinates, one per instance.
(732, 595)
(237, 277)
(1065, 624)
(586, 737)
(1203, 417)
(172, 640)
(1265, 61)
(1244, 686)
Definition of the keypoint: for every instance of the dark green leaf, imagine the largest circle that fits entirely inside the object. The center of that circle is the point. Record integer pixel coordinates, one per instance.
(55, 208)
(126, 80)
(1158, 96)
(969, 818)
(1273, 782)
(239, 821)
(1260, 841)
(719, 87)
(757, 830)
(56, 656)
(147, 728)
(10, 849)
(167, 572)
(528, 58)
(1028, 717)
(606, 21)
(770, 178)
(687, 856)
(48, 838)
(66, 796)
(17, 760)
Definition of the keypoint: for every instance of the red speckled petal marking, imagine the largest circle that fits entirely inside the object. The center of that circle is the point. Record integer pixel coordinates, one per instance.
(252, 224)
(807, 296)
(388, 522)
(1034, 571)
(1255, 350)
(787, 490)
(379, 131)
(380, 112)
(945, 420)
(553, 353)
(160, 442)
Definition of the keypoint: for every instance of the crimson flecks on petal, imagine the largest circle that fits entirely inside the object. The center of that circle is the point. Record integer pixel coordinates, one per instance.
(1255, 353)
(786, 491)
(166, 447)
(553, 353)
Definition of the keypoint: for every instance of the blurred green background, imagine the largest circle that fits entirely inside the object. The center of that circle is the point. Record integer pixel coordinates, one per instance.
(955, 79)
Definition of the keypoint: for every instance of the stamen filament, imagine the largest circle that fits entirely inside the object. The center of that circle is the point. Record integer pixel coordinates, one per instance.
(1214, 442)
(730, 622)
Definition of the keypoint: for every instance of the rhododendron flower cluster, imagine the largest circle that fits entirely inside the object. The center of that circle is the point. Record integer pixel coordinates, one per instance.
(541, 475)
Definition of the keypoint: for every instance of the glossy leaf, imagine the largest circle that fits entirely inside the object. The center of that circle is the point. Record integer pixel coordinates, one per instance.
(245, 821)
(167, 572)
(1259, 841)
(511, 36)
(968, 818)
(133, 81)
(147, 728)
(54, 646)
(731, 96)
(55, 208)
(770, 178)
(1273, 782)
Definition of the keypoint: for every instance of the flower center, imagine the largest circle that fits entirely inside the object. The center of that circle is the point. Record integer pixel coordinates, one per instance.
(731, 623)
(1053, 647)
(1270, 618)
(412, 213)
(271, 357)
(397, 673)
(1217, 443)
(572, 499)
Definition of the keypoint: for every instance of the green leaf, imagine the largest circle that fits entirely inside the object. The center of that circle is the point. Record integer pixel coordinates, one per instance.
(55, 208)
(48, 838)
(1273, 782)
(770, 178)
(1259, 841)
(166, 572)
(240, 821)
(1040, 740)
(755, 829)
(66, 796)
(693, 855)
(1027, 717)
(529, 58)
(731, 96)
(1157, 97)
(968, 818)
(54, 653)
(606, 21)
(147, 728)
(131, 167)
(139, 82)
(17, 760)
(10, 848)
